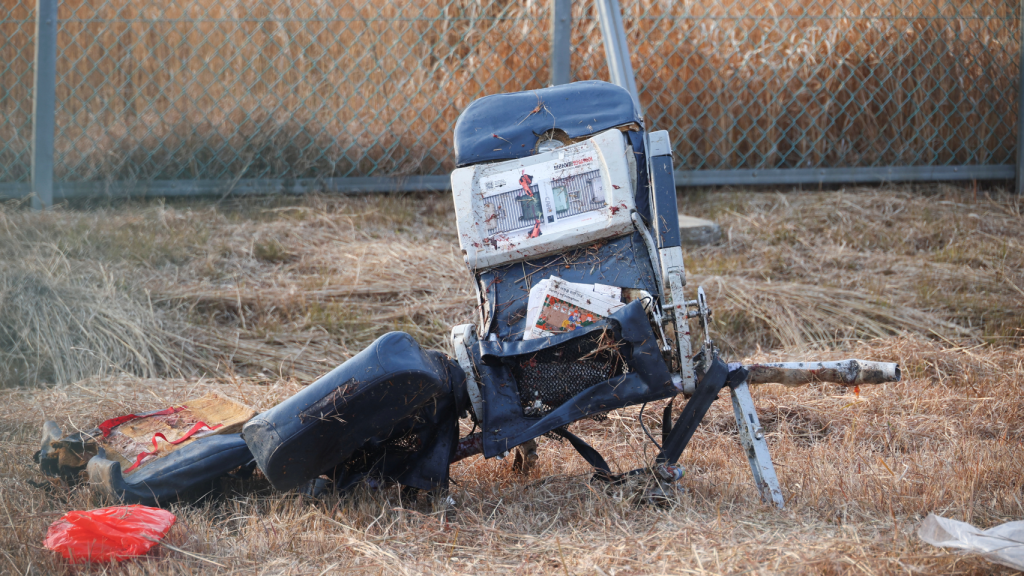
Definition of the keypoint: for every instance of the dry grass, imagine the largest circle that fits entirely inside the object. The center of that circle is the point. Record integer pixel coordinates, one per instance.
(175, 89)
(63, 320)
(858, 475)
(278, 290)
(824, 267)
(292, 288)
(54, 329)
(344, 272)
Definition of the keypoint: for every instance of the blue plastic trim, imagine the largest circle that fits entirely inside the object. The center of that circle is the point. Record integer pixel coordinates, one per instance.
(666, 210)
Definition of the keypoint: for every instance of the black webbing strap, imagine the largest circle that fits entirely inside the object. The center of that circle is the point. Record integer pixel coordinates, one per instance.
(674, 437)
(716, 378)
(602, 471)
(592, 456)
(666, 421)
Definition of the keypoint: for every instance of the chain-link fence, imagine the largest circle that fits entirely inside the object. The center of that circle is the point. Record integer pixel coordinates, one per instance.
(156, 90)
(846, 83)
(17, 27)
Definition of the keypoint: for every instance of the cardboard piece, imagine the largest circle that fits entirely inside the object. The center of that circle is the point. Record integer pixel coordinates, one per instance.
(159, 432)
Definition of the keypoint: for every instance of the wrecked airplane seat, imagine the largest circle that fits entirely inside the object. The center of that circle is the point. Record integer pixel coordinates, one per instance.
(152, 457)
(64, 457)
(568, 223)
(390, 412)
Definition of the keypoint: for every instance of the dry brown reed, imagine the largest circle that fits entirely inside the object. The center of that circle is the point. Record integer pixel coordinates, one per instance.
(288, 289)
(16, 52)
(175, 89)
(799, 83)
(61, 330)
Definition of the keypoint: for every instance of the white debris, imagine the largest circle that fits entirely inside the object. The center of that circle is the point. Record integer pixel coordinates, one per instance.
(1003, 544)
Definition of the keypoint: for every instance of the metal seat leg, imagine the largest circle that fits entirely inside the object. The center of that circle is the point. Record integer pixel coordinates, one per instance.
(752, 439)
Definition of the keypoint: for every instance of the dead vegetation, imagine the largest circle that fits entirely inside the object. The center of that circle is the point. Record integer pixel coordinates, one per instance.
(859, 473)
(925, 276)
(60, 324)
(821, 268)
(291, 288)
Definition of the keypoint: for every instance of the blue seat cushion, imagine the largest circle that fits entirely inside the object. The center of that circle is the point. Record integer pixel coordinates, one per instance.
(506, 126)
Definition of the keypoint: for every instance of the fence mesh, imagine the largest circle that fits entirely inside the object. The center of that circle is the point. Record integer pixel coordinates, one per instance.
(196, 89)
(17, 30)
(807, 83)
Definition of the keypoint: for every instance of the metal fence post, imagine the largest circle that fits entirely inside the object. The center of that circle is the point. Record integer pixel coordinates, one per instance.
(1020, 107)
(561, 41)
(44, 101)
(616, 49)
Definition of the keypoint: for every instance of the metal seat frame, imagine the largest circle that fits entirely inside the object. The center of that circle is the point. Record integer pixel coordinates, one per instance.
(650, 258)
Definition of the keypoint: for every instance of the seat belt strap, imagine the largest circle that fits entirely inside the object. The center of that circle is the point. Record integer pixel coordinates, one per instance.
(592, 456)
(675, 437)
(716, 378)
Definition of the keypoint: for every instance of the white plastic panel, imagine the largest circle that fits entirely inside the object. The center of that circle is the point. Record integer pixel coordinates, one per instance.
(547, 203)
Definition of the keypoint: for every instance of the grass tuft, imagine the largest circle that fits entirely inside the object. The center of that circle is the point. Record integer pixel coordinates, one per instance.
(60, 329)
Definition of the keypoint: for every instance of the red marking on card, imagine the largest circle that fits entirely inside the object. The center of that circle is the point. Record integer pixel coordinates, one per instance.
(536, 230)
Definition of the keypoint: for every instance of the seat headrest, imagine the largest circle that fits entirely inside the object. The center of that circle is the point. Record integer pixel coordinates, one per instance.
(506, 126)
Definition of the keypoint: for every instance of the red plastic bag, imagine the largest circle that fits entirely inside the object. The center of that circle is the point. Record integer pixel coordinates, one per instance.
(108, 534)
